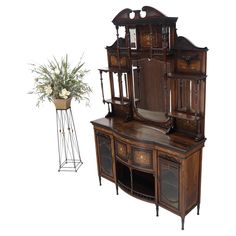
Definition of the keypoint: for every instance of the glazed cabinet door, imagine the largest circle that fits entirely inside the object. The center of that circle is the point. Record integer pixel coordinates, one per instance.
(104, 155)
(169, 179)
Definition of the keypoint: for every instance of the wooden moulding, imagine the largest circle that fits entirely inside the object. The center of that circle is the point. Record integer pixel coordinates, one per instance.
(62, 104)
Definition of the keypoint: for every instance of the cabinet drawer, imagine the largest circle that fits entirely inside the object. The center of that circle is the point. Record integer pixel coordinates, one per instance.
(121, 150)
(142, 157)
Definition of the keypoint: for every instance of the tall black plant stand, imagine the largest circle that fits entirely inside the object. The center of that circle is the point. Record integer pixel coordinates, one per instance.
(68, 148)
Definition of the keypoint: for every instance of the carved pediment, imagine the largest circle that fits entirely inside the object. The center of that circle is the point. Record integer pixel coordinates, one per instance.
(183, 43)
(151, 15)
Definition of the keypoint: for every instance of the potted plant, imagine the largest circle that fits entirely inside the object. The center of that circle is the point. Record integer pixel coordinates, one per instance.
(58, 82)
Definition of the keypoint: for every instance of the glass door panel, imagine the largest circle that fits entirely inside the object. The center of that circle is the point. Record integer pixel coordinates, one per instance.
(169, 182)
(105, 154)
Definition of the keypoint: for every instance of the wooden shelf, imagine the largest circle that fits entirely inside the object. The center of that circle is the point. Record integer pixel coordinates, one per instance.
(143, 184)
(185, 116)
(117, 102)
(105, 69)
(115, 69)
(185, 76)
(149, 198)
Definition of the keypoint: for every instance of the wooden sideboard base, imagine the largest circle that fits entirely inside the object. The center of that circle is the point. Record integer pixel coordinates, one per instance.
(163, 169)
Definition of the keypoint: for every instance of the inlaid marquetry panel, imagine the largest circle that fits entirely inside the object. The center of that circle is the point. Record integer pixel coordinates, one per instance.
(183, 66)
(189, 63)
(121, 150)
(148, 39)
(114, 61)
(142, 158)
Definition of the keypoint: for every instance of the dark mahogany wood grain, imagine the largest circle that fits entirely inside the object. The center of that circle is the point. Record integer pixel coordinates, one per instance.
(150, 142)
(138, 131)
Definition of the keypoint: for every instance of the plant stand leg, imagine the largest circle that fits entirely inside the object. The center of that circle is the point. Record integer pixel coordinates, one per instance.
(68, 148)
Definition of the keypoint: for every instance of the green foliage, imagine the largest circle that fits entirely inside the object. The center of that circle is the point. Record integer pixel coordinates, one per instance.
(57, 80)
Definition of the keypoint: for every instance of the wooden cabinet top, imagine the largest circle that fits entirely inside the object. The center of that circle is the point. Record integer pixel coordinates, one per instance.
(138, 131)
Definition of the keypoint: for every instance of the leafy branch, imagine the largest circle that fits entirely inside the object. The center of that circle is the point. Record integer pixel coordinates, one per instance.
(57, 80)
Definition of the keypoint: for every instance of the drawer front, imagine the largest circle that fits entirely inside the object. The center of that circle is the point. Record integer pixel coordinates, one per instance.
(121, 150)
(142, 157)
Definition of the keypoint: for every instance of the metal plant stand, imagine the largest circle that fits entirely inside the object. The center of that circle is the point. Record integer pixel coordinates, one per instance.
(68, 148)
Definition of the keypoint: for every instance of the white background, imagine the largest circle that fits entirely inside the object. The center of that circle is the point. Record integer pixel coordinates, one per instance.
(35, 199)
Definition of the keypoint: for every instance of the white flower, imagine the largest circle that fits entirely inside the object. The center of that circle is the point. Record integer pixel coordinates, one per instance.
(64, 93)
(48, 89)
(57, 71)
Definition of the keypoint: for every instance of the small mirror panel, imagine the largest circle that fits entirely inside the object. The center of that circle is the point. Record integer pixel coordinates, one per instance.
(133, 38)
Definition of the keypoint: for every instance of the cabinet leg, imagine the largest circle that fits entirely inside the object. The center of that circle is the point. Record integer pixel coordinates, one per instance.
(198, 208)
(157, 210)
(100, 180)
(182, 223)
(117, 192)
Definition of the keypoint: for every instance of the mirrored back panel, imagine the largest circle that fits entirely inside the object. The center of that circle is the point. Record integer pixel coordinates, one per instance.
(150, 89)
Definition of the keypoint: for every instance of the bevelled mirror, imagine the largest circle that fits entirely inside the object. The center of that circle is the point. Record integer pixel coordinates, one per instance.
(151, 90)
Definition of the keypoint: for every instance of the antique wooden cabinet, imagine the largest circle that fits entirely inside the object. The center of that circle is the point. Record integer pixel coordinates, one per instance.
(150, 142)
